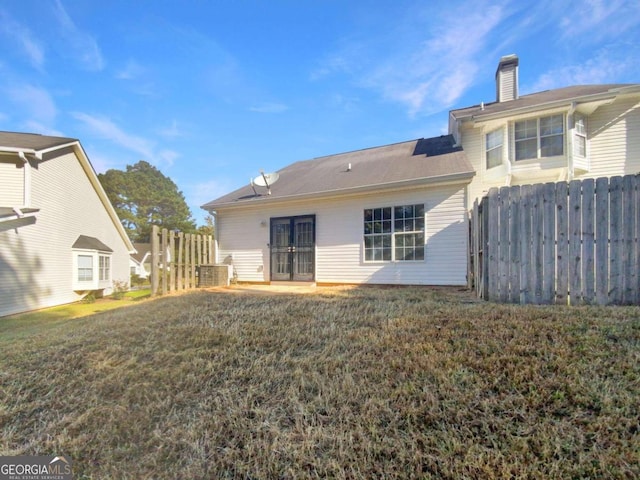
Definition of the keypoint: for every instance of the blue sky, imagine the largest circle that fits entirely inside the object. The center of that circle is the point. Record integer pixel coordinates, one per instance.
(211, 92)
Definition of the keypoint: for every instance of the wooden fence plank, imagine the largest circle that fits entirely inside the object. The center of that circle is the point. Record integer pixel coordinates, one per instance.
(615, 241)
(187, 260)
(493, 214)
(475, 241)
(179, 263)
(575, 216)
(503, 255)
(562, 244)
(484, 240)
(514, 245)
(526, 279)
(636, 258)
(155, 249)
(163, 260)
(628, 242)
(172, 261)
(588, 235)
(549, 243)
(192, 248)
(602, 241)
(537, 234)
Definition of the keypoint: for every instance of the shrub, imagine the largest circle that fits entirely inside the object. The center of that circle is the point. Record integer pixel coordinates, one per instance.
(120, 287)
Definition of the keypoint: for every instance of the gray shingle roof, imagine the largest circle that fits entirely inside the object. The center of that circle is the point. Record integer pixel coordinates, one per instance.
(31, 141)
(90, 243)
(423, 160)
(580, 92)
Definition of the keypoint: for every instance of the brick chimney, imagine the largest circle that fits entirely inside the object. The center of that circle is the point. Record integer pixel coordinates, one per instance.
(507, 79)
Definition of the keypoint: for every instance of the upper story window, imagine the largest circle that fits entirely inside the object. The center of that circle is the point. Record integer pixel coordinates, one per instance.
(493, 148)
(539, 137)
(394, 233)
(580, 136)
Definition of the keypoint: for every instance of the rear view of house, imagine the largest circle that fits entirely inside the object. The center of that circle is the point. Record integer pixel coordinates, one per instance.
(60, 237)
(393, 214)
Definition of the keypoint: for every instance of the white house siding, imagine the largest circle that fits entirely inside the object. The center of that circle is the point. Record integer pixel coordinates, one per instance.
(12, 193)
(244, 236)
(36, 260)
(614, 139)
(473, 145)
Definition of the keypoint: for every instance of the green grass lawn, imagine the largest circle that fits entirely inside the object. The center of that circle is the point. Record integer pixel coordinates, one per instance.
(358, 383)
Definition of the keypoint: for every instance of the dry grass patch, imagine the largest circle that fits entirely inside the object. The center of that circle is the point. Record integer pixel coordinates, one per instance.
(361, 383)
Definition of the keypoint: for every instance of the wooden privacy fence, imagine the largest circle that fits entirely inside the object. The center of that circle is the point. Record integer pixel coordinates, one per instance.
(565, 243)
(175, 257)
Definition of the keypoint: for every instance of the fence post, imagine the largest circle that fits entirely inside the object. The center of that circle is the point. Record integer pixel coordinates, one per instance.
(155, 249)
(180, 271)
(163, 259)
(172, 261)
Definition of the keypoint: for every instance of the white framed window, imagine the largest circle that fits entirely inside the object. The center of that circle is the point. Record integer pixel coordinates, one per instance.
(104, 272)
(85, 268)
(580, 136)
(394, 233)
(493, 147)
(539, 137)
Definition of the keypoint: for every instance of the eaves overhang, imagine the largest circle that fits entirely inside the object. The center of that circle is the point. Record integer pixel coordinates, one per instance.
(259, 201)
(609, 95)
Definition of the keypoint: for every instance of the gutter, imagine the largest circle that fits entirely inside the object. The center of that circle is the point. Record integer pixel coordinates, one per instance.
(260, 201)
(610, 94)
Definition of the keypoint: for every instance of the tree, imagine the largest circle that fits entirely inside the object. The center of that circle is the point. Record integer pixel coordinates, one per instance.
(142, 196)
(208, 228)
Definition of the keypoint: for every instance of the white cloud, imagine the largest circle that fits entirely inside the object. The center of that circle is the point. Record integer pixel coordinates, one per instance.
(604, 67)
(36, 102)
(427, 61)
(172, 131)
(33, 126)
(168, 157)
(131, 71)
(23, 38)
(80, 44)
(200, 193)
(107, 129)
(269, 108)
(597, 19)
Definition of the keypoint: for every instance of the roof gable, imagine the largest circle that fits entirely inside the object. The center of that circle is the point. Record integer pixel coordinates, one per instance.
(32, 141)
(45, 147)
(541, 100)
(423, 160)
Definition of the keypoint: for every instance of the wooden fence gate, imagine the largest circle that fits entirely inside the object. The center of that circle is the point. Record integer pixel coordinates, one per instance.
(175, 257)
(564, 243)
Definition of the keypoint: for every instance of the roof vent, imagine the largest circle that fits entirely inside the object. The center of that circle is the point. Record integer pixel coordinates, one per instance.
(507, 79)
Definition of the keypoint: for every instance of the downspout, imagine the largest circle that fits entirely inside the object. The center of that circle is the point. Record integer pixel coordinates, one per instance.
(26, 192)
(570, 123)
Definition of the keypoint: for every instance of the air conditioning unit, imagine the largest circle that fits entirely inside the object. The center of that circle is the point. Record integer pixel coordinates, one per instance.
(215, 275)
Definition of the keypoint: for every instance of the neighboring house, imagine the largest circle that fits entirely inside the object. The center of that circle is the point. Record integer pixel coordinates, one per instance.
(140, 262)
(60, 237)
(394, 214)
(577, 132)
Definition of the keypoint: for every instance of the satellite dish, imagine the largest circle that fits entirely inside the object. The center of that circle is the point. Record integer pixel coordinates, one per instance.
(265, 180)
